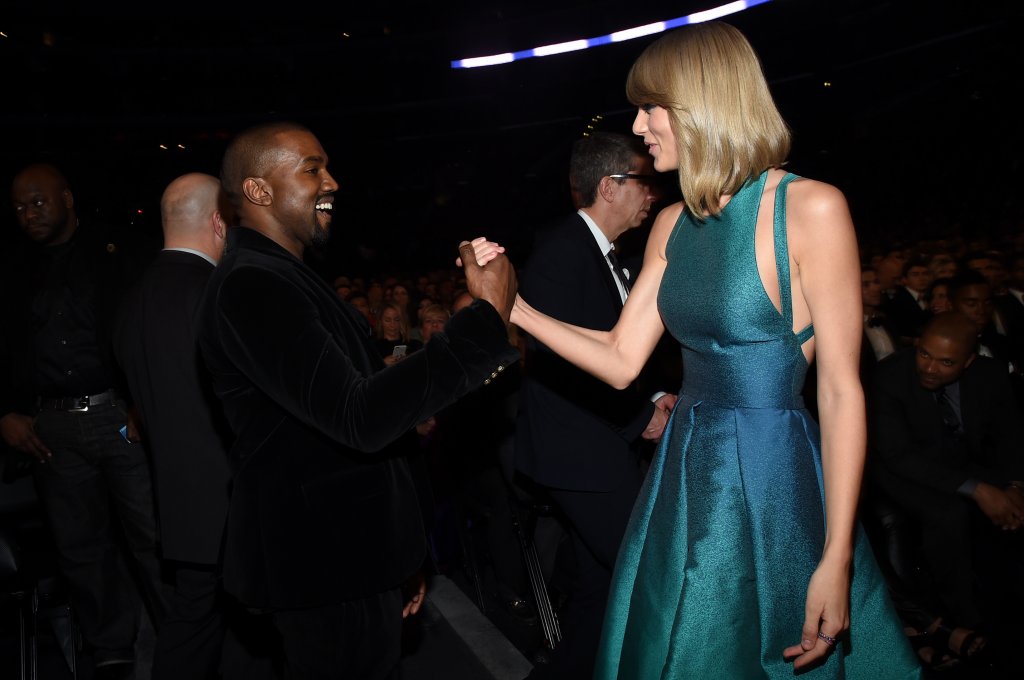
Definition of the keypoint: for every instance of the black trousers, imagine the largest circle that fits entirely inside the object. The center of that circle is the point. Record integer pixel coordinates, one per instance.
(207, 635)
(354, 640)
(961, 549)
(596, 522)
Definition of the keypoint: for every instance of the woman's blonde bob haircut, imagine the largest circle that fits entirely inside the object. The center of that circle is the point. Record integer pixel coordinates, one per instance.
(726, 125)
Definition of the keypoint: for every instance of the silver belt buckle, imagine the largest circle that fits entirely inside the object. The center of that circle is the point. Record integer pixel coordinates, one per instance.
(81, 405)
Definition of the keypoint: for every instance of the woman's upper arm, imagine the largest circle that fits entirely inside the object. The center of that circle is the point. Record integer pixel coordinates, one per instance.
(825, 249)
(640, 325)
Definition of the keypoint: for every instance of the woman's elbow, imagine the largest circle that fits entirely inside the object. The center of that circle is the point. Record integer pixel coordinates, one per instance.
(623, 377)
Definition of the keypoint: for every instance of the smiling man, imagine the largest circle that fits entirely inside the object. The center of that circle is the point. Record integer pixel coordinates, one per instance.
(324, 527)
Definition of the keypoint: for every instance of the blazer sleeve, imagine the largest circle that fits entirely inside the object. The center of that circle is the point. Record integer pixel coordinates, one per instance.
(1000, 437)
(292, 356)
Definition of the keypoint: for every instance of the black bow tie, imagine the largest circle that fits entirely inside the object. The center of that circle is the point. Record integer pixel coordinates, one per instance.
(874, 321)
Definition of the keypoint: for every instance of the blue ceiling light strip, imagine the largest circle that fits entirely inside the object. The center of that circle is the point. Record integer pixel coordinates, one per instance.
(618, 36)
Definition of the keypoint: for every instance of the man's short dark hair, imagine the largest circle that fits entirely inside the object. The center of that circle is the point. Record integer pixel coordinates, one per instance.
(967, 277)
(914, 262)
(598, 155)
(250, 154)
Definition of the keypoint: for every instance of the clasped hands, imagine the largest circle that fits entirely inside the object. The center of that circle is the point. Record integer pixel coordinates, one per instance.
(489, 274)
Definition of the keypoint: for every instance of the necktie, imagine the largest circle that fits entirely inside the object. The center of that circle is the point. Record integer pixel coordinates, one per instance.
(617, 270)
(949, 416)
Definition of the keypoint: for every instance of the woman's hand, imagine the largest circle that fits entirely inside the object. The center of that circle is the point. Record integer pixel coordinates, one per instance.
(827, 612)
(415, 591)
(484, 250)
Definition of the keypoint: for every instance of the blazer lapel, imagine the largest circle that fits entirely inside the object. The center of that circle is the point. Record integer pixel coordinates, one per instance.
(606, 273)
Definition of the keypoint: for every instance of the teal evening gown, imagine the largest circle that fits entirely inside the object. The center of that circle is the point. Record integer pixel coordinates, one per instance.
(712, 575)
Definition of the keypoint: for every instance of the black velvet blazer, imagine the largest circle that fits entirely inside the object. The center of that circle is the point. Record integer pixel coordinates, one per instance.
(322, 505)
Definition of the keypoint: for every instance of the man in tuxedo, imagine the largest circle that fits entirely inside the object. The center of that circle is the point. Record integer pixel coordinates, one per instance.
(154, 341)
(877, 342)
(971, 294)
(575, 435)
(947, 450)
(1010, 304)
(906, 309)
(61, 403)
(324, 527)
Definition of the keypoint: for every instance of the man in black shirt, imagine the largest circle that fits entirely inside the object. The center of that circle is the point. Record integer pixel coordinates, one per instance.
(58, 402)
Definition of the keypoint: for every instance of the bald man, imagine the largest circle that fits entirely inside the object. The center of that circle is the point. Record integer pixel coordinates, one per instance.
(155, 344)
(60, 403)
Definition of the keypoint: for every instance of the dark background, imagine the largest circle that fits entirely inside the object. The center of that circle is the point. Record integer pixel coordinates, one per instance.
(920, 126)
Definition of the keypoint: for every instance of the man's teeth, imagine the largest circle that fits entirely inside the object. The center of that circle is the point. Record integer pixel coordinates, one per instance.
(325, 206)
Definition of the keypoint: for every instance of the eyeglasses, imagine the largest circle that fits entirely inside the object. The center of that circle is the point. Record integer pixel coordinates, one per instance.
(639, 178)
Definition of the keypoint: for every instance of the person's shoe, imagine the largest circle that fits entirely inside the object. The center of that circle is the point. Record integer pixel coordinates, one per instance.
(521, 609)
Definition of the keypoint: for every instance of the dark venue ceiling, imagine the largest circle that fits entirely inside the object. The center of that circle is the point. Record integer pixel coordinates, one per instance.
(919, 126)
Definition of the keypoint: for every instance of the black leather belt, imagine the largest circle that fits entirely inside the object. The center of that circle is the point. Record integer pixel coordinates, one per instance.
(76, 403)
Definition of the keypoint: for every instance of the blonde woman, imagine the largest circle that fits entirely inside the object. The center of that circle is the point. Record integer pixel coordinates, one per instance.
(392, 334)
(743, 558)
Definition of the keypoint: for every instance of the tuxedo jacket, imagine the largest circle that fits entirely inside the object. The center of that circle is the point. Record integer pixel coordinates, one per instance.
(184, 432)
(1011, 313)
(573, 430)
(868, 360)
(904, 315)
(322, 507)
(910, 441)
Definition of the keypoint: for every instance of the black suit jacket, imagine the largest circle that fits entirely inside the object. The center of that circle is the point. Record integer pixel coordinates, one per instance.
(573, 430)
(1011, 313)
(905, 317)
(323, 508)
(868, 360)
(154, 341)
(908, 436)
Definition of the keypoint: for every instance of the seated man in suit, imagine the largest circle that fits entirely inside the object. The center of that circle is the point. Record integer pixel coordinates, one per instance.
(878, 341)
(971, 294)
(1009, 305)
(907, 310)
(947, 449)
(324, 528)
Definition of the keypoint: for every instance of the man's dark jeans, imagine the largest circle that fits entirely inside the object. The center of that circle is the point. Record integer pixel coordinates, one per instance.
(94, 480)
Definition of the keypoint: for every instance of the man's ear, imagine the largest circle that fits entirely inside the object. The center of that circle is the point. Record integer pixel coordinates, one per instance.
(69, 198)
(970, 359)
(220, 227)
(256, 190)
(606, 189)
